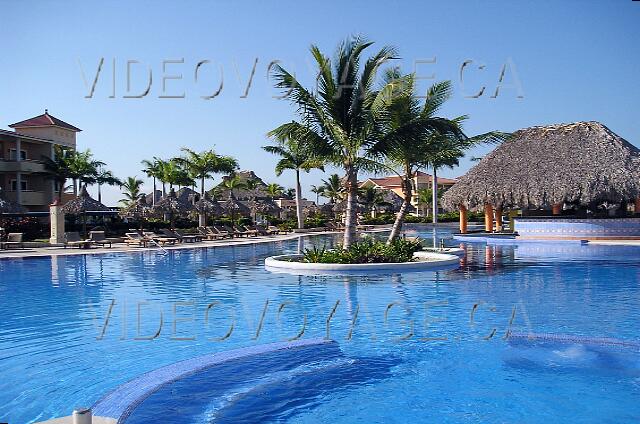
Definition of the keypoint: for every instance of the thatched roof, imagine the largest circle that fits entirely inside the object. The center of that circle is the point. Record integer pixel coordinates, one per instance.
(7, 206)
(209, 206)
(172, 205)
(242, 194)
(82, 204)
(136, 210)
(583, 163)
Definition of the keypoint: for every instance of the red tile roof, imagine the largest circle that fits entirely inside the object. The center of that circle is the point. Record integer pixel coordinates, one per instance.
(395, 181)
(44, 120)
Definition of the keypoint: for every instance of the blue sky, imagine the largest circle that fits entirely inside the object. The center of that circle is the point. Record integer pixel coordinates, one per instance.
(573, 60)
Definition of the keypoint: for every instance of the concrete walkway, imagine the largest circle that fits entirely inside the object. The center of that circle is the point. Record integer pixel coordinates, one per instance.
(124, 248)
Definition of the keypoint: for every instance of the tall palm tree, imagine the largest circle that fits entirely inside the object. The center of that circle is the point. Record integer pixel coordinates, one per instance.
(415, 137)
(105, 177)
(425, 198)
(274, 190)
(202, 166)
(174, 174)
(83, 168)
(370, 198)
(318, 191)
(58, 168)
(295, 156)
(153, 169)
(339, 121)
(131, 190)
(332, 188)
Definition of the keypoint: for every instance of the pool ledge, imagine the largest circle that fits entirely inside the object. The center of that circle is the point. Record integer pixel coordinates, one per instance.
(426, 261)
(116, 406)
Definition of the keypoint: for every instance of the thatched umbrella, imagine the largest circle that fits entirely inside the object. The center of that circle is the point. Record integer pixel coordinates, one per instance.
(7, 206)
(582, 163)
(137, 210)
(208, 206)
(83, 204)
(172, 205)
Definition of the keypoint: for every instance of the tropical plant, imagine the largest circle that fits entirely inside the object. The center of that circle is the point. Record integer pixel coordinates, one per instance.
(105, 177)
(153, 169)
(83, 168)
(341, 119)
(371, 198)
(204, 165)
(174, 174)
(274, 190)
(57, 168)
(131, 190)
(289, 193)
(294, 156)
(333, 188)
(318, 191)
(230, 183)
(414, 137)
(366, 251)
(425, 198)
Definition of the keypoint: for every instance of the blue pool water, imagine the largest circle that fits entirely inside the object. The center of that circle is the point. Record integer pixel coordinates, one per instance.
(413, 347)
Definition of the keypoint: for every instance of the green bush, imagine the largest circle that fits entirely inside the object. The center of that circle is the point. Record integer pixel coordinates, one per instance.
(31, 227)
(365, 252)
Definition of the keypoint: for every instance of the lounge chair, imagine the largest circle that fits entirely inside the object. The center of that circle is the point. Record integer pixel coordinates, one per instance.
(276, 230)
(221, 232)
(14, 240)
(182, 238)
(263, 231)
(211, 234)
(160, 239)
(228, 230)
(188, 238)
(98, 238)
(73, 239)
(135, 239)
(243, 229)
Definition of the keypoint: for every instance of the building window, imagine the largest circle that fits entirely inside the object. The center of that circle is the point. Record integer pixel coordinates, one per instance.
(12, 154)
(23, 185)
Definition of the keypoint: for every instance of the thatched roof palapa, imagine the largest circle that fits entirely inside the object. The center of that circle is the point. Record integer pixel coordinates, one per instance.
(171, 204)
(583, 163)
(83, 204)
(207, 205)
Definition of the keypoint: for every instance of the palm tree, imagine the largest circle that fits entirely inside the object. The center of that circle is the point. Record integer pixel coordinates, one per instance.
(371, 198)
(231, 183)
(318, 191)
(415, 137)
(332, 188)
(153, 169)
(425, 197)
(58, 168)
(339, 121)
(131, 191)
(174, 174)
(295, 157)
(202, 166)
(105, 177)
(83, 169)
(274, 190)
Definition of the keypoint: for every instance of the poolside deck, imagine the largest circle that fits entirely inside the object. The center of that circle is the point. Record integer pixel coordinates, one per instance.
(30, 252)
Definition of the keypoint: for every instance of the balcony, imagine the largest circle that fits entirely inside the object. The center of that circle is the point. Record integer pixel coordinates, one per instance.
(26, 166)
(31, 198)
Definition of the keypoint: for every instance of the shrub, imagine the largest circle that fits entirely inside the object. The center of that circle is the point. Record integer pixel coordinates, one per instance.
(365, 252)
(31, 227)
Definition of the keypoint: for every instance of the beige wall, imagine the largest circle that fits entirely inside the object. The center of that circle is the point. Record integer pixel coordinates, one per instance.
(63, 136)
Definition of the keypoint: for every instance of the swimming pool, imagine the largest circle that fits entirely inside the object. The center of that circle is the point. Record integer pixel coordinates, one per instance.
(429, 346)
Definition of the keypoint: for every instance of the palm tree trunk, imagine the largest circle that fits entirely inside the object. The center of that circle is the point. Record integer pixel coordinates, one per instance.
(202, 216)
(299, 201)
(350, 221)
(434, 191)
(397, 224)
(153, 198)
(99, 193)
(75, 187)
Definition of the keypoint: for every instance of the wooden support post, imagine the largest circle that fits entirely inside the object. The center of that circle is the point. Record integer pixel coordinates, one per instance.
(499, 219)
(636, 205)
(488, 218)
(556, 209)
(463, 219)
